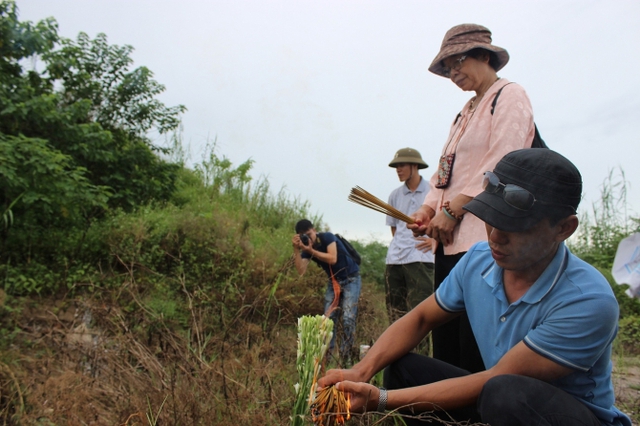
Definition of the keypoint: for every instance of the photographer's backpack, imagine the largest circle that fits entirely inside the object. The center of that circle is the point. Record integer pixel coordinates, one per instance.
(350, 250)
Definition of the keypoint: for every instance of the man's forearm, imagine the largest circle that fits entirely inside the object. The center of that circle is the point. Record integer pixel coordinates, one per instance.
(301, 264)
(443, 395)
(321, 256)
(397, 340)
(462, 391)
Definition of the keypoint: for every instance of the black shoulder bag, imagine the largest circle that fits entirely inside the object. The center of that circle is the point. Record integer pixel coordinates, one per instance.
(537, 140)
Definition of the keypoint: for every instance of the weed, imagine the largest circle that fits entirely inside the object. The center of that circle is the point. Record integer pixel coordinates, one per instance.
(151, 417)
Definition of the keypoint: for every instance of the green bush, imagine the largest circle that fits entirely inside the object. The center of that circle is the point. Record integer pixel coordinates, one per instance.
(628, 305)
(629, 334)
(374, 255)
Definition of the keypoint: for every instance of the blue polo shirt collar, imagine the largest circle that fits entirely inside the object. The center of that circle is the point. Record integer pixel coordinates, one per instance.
(544, 284)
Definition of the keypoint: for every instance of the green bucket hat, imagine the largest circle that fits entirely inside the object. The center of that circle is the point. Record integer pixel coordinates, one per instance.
(408, 155)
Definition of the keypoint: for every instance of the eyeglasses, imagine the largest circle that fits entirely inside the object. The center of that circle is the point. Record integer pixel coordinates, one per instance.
(457, 64)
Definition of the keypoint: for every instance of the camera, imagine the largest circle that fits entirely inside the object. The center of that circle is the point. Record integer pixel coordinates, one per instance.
(304, 239)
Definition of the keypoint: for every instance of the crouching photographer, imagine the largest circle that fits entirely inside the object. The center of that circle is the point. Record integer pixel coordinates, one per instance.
(341, 300)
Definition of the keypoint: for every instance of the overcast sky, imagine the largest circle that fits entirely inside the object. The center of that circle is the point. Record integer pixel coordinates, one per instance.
(320, 94)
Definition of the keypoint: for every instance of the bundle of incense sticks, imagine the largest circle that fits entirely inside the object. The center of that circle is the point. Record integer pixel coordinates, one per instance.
(330, 407)
(364, 198)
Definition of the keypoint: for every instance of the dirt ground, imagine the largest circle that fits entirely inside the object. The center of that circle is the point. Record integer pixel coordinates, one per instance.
(626, 382)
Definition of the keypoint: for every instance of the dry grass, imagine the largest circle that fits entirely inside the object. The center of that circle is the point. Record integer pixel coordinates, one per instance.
(626, 383)
(58, 371)
(118, 378)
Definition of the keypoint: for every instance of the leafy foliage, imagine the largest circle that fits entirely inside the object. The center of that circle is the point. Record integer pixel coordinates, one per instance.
(120, 98)
(22, 39)
(87, 104)
(73, 141)
(45, 181)
(373, 266)
(629, 334)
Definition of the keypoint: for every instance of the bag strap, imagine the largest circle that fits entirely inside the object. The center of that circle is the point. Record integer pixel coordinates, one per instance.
(495, 98)
(336, 294)
(538, 142)
(493, 104)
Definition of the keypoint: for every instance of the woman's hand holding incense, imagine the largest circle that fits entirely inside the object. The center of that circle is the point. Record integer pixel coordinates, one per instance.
(443, 224)
(441, 228)
(422, 217)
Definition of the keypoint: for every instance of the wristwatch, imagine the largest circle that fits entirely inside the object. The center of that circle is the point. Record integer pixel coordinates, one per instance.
(382, 400)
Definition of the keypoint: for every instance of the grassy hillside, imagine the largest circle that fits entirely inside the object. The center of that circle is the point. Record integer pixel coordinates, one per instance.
(181, 313)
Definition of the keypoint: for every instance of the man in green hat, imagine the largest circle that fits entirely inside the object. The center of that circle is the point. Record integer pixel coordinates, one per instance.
(409, 272)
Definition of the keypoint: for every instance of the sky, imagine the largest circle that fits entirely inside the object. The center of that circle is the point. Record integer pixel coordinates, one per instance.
(321, 94)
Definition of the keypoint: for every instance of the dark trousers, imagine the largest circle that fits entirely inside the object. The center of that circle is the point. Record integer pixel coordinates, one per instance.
(454, 342)
(417, 370)
(508, 400)
(406, 287)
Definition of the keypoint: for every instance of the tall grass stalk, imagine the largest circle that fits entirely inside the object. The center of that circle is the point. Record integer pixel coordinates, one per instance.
(314, 335)
(601, 231)
(153, 418)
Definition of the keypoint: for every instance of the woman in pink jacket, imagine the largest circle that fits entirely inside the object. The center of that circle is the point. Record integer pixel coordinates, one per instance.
(482, 133)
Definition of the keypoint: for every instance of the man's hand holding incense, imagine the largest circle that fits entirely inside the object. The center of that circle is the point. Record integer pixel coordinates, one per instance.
(335, 375)
(363, 396)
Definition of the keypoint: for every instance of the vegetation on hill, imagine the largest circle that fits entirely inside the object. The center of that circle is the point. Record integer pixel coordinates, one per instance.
(135, 290)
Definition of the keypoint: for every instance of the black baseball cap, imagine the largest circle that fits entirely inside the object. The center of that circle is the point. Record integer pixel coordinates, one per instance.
(553, 180)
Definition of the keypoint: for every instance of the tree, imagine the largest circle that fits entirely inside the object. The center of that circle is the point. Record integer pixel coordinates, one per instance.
(20, 40)
(120, 98)
(73, 134)
(49, 188)
(88, 105)
(35, 178)
(123, 102)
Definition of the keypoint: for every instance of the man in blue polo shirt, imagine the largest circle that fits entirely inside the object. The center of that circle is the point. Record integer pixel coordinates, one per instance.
(328, 252)
(544, 319)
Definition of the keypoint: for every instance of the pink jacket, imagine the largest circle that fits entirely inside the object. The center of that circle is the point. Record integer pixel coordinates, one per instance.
(486, 139)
